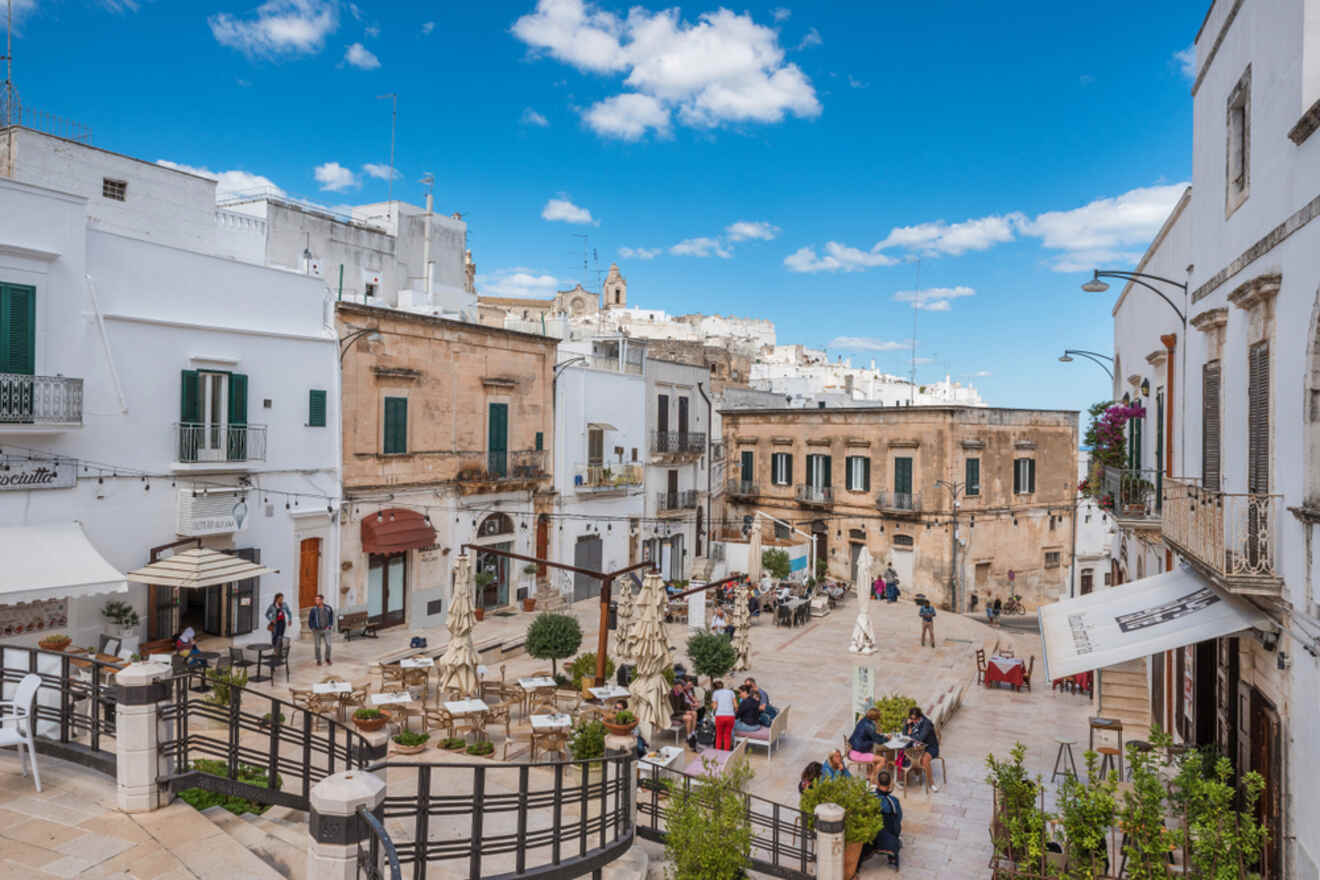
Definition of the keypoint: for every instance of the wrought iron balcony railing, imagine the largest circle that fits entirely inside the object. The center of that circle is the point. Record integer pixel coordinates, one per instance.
(1132, 494)
(528, 464)
(603, 477)
(684, 500)
(821, 495)
(742, 488)
(904, 502)
(1230, 535)
(40, 400)
(678, 441)
(197, 442)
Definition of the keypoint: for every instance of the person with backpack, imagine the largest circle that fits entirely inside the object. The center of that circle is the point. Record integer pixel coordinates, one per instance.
(277, 616)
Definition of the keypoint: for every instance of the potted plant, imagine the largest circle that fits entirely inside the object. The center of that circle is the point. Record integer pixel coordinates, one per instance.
(712, 654)
(1086, 812)
(482, 749)
(483, 580)
(529, 601)
(582, 672)
(122, 615)
(1017, 825)
(862, 819)
(406, 742)
(56, 642)
(452, 744)
(369, 719)
(553, 637)
(893, 712)
(710, 829)
(620, 723)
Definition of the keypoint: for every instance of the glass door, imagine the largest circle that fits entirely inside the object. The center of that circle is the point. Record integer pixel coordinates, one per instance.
(211, 439)
(387, 588)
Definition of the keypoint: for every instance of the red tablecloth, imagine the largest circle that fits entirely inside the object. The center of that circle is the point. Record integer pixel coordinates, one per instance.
(995, 672)
(1081, 680)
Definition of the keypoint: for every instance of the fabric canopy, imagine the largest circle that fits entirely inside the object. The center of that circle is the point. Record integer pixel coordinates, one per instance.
(395, 530)
(1145, 617)
(53, 561)
(198, 567)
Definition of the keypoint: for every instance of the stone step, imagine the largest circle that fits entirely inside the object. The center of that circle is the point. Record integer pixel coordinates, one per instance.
(278, 838)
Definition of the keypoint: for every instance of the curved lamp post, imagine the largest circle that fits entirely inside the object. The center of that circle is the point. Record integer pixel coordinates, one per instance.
(1094, 356)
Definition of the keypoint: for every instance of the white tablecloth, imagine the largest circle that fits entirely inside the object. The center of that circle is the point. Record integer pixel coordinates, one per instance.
(416, 663)
(466, 707)
(609, 692)
(391, 699)
(531, 684)
(664, 757)
(332, 687)
(551, 722)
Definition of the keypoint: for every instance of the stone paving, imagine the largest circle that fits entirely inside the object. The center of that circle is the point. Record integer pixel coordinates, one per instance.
(73, 830)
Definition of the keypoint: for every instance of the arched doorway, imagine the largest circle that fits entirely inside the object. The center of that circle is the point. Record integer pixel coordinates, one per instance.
(495, 532)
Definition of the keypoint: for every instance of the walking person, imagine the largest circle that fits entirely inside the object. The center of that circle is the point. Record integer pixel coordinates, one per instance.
(321, 621)
(725, 712)
(926, 612)
(278, 615)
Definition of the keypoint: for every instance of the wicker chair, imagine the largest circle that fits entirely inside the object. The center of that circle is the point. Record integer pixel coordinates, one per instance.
(980, 665)
(500, 713)
(474, 723)
(567, 700)
(438, 718)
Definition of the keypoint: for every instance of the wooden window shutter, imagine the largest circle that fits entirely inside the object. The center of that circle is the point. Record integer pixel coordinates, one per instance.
(1210, 426)
(1031, 475)
(238, 399)
(1258, 418)
(788, 469)
(866, 474)
(316, 408)
(395, 435)
(747, 466)
(972, 477)
(828, 461)
(190, 404)
(18, 325)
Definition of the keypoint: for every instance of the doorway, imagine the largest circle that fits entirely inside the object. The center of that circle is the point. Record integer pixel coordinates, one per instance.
(904, 559)
(587, 554)
(820, 534)
(309, 571)
(496, 593)
(854, 553)
(387, 588)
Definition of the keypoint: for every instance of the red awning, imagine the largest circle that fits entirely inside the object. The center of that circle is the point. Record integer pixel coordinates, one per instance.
(395, 530)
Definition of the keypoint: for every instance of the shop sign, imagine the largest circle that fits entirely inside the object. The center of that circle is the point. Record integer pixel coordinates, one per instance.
(863, 690)
(38, 474)
(215, 512)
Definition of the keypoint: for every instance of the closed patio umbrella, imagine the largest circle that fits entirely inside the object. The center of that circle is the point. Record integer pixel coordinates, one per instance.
(649, 689)
(863, 636)
(742, 640)
(754, 553)
(458, 666)
(623, 633)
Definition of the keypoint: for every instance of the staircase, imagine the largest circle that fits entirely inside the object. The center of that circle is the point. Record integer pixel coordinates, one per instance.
(1123, 695)
(277, 837)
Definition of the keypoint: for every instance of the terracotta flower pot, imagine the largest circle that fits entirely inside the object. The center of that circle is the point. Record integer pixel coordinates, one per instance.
(369, 724)
(480, 613)
(54, 644)
(852, 854)
(407, 750)
(618, 729)
(529, 604)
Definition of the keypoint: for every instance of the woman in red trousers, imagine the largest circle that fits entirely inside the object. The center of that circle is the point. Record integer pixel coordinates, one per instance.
(725, 710)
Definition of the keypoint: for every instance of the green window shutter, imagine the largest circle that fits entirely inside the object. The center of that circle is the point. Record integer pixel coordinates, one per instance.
(316, 408)
(866, 474)
(395, 435)
(18, 327)
(788, 469)
(903, 476)
(1031, 475)
(238, 399)
(828, 459)
(190, 404)
(498, 440)
(972, 477)
(748, 465)
(540, 441)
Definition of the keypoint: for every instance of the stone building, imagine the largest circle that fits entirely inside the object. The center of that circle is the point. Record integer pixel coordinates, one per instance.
(884, 479)
(447, 433)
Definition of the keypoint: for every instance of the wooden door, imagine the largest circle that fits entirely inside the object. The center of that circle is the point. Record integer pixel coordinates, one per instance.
(1226, 686)
(1266, 759)
(309, 571)
(542, 542)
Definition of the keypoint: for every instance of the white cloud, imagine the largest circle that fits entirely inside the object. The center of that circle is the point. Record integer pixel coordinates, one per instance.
(627, 116)
(780, 14)
(868, 343)
(857, 83)
(1105, 230)
(724, 68)
(280, 27)
(371, 30)
(640, 253)
(953, 238)
(749, 229)
(933, 299)
(427, 27)
(981, 374)
(380, 172)
(361, 57)
(229, 183)
(1186, 60)
(564, 211)
(531, 117)
(811, 40)
(838, 257)
(335, 177)
(519, 281)
(703, 246)
(116, 6)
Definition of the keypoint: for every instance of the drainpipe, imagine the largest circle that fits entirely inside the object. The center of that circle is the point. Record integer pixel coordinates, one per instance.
(710, 430)
(426, 246)
(1170, 340)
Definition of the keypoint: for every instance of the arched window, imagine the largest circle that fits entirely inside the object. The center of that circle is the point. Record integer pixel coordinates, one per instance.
(495, 524)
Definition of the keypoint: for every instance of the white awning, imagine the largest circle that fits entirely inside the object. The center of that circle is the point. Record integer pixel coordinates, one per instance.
(54, 561)
(198, 567)
(1145, 617)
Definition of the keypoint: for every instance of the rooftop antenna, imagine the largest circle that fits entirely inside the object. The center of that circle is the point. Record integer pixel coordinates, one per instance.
(916, 307)
(394, 118)
(10, 114)
(586, 243)
(428, 181)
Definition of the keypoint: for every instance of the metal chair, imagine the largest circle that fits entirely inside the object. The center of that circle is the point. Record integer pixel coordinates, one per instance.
(237, 659)
(278, 658)
(18, 722)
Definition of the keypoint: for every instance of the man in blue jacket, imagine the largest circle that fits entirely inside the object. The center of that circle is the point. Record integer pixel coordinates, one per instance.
(321, 621)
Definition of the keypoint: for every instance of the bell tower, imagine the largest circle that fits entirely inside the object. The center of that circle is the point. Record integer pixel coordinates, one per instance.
(615, 289)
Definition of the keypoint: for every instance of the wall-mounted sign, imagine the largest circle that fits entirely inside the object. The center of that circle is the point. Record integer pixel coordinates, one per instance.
(216, 512)
(39, 474)
(863, 690)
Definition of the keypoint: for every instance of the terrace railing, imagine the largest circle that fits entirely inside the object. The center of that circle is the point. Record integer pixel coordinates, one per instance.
(815, 495)
(40, 400)
(903, 502)
(197, 442)
(682, 500)
(76, 702)
(678, 441)
(1229, 534)
(1133, 494)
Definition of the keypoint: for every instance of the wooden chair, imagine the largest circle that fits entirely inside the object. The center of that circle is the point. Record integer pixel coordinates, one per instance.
(522, 736)
(980, 665)
(1026, 674)
(390, 674)
(438, 718)
(550, 741)
(567, 700)
(500, 713)
(589, 713)
(489, 690)
(473, 722)
(912, 764)
(354, 699)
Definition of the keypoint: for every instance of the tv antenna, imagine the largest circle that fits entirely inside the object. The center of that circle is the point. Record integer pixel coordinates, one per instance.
(586, 244)
(394, 119)
(10, 114)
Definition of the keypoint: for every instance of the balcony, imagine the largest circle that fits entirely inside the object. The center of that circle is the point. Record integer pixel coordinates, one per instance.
(209, 445)
(502, 466)
(815, 496)
(616, 476)
(716, 451)
(669, 502)
(898, 502)
(741, 489)
(1129, 493)
(1227, 536)
(31, 404)
(678, 442)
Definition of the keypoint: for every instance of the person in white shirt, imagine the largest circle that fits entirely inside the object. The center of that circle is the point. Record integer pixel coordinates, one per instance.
(724, 703)
(720, 624)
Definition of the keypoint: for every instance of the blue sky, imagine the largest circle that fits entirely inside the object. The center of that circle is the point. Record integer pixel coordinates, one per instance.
(782, 161)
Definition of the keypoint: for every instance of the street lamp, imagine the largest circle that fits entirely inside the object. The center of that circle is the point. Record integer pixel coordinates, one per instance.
(1094, 356)
(954, 489)
(346, 341)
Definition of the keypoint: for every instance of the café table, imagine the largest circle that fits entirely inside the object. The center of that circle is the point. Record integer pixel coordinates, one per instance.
(662, 757)
(534, 685)
(260, 650)
(558, 721)
(336, 688)
(402, 699)
(1005, 670)
(609, 692)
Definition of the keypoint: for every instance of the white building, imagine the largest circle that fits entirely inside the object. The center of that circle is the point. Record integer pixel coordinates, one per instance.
(673, 534)
(808, 378)
(1231, 433)
(601, 456)
(1095, 535)
(173, 396)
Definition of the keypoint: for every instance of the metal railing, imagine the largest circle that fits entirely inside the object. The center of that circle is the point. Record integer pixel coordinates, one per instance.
(46, 123)
(76, 703)
(370, 865)
(247, 730)
(527, 464)
(901, 501)
(742, 488)
(808, 494)
(602, 477)
(197, 442)
(509, 820)
(1132, 493)
(684, 500)
(1230, 533)
(678, 441)
(40, 400)
(783, 841)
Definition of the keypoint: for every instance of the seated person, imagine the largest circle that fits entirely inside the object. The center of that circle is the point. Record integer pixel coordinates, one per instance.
(185, 639)
(753, 603)
(720, 624)
(747, 717)
(810, 774)
(834, 768)
(681, 710)
(862, 743)
(768, 712)
(835, 591)
(920, 728)
(889, 837)
(195, 658)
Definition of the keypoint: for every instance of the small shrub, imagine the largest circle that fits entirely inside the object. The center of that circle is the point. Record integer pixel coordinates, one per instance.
(222, 681)
(710, 834)
(623, 716)
(588, 741)
(368, 714)
(553, 637)
(453, 743)
(410, 738)
(584, 665)
(481, 748)
(862, 818)
(893, 712)
(201, 799)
